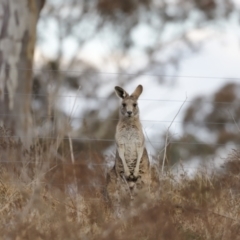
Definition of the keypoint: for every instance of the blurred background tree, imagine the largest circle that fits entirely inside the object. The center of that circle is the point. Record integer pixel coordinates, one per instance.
(120, 31)
(209, 124)
(18, 21)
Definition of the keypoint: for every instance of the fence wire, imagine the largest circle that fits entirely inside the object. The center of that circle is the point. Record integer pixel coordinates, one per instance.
(120, 73)
(105, 98)
(113, 140)
(169, 101)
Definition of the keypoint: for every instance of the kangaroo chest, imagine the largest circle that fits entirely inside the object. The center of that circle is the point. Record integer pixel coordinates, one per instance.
(129, 134)
(131, 137)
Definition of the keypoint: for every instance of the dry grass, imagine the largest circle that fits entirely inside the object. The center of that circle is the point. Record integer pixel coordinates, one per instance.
(43, 195)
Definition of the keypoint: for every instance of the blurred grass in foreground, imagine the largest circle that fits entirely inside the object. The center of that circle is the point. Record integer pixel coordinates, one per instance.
(44, 195)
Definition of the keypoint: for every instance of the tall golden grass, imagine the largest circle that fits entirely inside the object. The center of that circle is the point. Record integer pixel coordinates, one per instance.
(45, 195)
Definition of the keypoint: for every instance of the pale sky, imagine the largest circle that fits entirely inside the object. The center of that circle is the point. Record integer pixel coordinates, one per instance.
(201, 73)
(218, 58)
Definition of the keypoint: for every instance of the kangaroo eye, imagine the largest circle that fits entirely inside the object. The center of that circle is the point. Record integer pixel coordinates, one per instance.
(124, 104)
(134, 104)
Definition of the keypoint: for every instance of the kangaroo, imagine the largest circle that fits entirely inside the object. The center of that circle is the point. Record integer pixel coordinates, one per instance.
(132, 162)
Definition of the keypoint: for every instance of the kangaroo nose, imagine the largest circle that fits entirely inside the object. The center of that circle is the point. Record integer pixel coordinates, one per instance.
(129, 112)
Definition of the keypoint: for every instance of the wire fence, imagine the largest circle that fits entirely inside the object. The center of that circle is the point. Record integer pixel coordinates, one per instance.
(169, 101)
(179, 167)
(106, 98)
(121, 73)
(231, 121)
(86, 139)
(83, 185)
(113, 140)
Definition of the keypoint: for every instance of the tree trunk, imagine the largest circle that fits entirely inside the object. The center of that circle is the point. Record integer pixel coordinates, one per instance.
(18, 20)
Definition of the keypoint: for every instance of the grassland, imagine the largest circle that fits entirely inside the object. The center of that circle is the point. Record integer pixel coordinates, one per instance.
(44, 194)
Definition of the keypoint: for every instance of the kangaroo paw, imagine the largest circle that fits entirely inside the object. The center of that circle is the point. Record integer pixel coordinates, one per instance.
(127, 174)
(136, 174)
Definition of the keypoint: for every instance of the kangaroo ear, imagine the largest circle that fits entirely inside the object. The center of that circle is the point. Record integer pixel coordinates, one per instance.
(137, 91)
(121, 92)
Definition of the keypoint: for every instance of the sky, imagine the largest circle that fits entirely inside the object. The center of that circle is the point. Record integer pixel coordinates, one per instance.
(201, 73)
(218, 63)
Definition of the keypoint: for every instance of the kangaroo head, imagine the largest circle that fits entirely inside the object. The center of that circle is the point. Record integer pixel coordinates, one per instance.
(129, 107)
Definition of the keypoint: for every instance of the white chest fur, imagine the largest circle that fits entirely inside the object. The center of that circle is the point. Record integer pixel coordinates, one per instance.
(129, 134)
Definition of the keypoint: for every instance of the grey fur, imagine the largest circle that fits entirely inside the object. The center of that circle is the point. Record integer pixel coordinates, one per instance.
(132, 162)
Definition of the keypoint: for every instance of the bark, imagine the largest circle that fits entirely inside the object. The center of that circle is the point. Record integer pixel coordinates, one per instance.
(18, 21)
